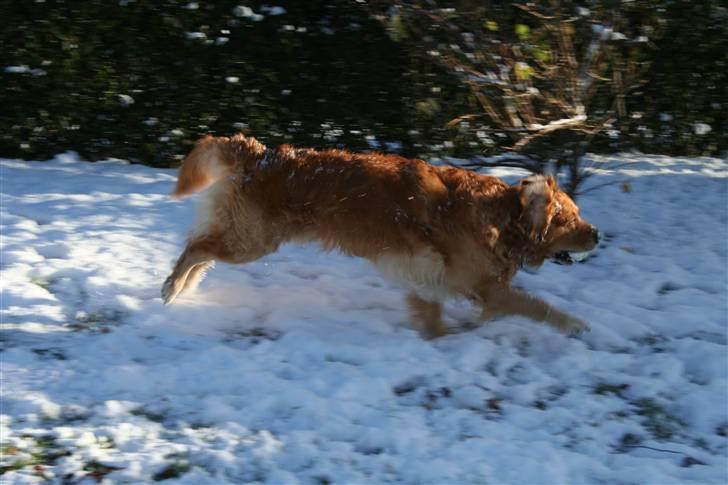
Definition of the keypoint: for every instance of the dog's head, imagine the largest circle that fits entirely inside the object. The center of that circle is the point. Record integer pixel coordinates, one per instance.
(552, 222)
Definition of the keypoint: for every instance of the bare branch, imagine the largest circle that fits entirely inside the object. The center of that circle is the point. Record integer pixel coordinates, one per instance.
(601, 186)
(535, 88)
(550, 128)
(488, 107)
(460, 119)
(520, 161)
(530, 11)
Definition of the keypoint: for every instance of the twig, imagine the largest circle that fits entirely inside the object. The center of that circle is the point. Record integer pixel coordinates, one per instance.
(600, 186)
(533, 12)
(513, 162)
(655, 449)
(462, 118)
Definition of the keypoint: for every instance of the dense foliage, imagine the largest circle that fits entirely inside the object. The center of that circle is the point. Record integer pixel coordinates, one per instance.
(142, 80)
(683, 108)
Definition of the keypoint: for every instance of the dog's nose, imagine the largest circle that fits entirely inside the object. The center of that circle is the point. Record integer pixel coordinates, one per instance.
(595, 234)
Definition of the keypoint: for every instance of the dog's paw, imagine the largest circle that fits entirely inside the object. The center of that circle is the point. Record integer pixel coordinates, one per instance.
(575, 326)
(169, 291)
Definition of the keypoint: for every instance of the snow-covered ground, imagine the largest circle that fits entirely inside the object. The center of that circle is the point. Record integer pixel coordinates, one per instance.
(301, 368)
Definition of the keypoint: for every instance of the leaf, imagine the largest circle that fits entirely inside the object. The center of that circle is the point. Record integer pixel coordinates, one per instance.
(523, 71)
(542, 54)
(522, 31)
(491, 25)
(428, 107)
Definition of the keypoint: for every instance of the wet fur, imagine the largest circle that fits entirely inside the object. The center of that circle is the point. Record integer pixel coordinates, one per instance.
(440, 231)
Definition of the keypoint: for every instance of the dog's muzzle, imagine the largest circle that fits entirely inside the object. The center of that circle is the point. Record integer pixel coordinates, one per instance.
(596, 235)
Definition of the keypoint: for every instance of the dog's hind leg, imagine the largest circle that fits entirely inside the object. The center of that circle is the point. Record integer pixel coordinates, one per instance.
(509, 301)
(426, 316)
(197, 254)
(196, 274)
(200, 255)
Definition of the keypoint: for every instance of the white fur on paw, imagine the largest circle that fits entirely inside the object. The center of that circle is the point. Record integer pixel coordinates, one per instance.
(168, 291)
(194, 279)
(575, 326)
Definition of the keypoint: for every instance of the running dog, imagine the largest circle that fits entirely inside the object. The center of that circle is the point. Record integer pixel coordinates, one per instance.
(440, 232)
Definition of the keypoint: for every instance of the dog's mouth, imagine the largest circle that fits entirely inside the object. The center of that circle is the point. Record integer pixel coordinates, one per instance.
(566, 257)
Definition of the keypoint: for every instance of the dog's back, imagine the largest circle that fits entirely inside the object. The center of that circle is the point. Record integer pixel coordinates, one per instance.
(362, 204)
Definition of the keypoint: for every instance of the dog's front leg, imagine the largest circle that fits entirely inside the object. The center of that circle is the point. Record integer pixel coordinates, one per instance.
(509, 301)
(426, 316)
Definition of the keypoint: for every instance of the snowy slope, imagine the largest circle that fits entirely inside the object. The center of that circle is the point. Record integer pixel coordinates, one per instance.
(301, 368)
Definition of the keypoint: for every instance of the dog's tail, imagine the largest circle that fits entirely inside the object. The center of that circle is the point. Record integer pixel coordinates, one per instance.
(214, 158)
(202, 167)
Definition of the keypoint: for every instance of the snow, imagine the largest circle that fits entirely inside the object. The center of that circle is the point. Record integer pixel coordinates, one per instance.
(301, 368)
(24, 69)
(18, 69)
(248, 13)
(195, 35)
(274, 11)
(701, 128)
(125, 99)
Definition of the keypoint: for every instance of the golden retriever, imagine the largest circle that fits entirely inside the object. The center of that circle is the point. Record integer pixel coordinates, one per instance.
(439, 231)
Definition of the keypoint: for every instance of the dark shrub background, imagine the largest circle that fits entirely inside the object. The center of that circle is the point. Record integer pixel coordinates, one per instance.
(142, 80)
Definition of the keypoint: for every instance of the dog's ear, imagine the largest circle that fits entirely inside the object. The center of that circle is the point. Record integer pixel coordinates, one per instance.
(536, 196)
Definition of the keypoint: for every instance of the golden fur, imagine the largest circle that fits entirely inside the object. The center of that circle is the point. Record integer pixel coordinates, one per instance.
(440, 231)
